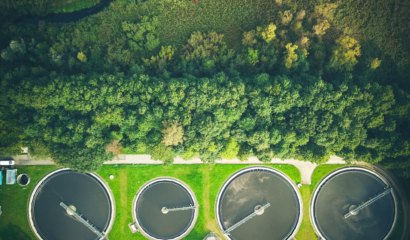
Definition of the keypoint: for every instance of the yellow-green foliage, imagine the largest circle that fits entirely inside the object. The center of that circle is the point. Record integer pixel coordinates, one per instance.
(81, 56)
(230, 150)
(249, 38)
(252, 56)
(189, 154)
(303, 42)
(297, 26)
(267, 32)
(344, 55)
(286, 17)
(375, 63)
(164, 55)
(212, 147)
(167, 53)
(326, 10)
(301, 15)
(172, 133)
(321, 27)
(202, 45)
(290, 55)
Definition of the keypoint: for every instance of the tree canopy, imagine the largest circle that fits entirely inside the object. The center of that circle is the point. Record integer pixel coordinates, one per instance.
(79, 92)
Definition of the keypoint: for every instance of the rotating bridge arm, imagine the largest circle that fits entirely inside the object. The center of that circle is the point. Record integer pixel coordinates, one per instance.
(247, 218)
(368, 202)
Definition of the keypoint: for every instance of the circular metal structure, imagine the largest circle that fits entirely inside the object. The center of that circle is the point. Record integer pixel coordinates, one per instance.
(249, 187)
(152, 205)
(23, 179)
(340, 192)
(72, 208)
(87, 194)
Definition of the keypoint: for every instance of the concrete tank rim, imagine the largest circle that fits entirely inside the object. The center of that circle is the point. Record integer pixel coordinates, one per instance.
(19, 177)
(335, 172)
(164, 179)
(45, 177)
(264, 167)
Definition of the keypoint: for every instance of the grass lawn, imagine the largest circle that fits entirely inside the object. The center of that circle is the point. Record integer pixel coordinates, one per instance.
(306, 230)
(204, 180)
(13, 200)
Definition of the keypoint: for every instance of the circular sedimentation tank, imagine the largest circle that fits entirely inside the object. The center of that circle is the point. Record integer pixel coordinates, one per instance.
(243, 194)
(86, 194)
(339, 193)
(152, 209)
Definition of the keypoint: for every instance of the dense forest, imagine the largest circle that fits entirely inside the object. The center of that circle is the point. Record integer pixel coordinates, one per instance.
(298, 84)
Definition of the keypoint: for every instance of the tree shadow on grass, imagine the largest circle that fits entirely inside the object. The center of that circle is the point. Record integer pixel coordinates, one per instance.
(13, 232)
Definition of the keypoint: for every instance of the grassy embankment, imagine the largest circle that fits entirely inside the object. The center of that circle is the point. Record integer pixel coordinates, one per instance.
(13, 201)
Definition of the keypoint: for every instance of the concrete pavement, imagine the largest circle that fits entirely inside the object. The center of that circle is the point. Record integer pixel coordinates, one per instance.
(306, 168)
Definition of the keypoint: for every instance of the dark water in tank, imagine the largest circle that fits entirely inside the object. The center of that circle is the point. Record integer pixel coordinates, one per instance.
(24, 179)
(257, 188)
(352, 188)
(72, 188)
(153, 221)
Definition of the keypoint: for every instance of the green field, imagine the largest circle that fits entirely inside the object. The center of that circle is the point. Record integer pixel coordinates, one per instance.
(204, 180)
(13, 201)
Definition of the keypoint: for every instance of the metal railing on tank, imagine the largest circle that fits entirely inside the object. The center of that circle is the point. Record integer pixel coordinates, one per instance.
(71, 210)
(258, 211)
(353, 209)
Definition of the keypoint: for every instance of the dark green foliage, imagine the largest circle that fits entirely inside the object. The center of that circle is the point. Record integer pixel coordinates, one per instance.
(10, 137)
(80, 157)
(283, 93)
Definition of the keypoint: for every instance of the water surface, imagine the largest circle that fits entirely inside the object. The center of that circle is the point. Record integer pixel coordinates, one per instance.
(153, 221)
(78, 189)
(351, 188)
(257, 188)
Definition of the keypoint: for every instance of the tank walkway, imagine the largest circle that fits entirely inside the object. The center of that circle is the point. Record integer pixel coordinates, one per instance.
(368, 202)
(83, 221)
(247, 218)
